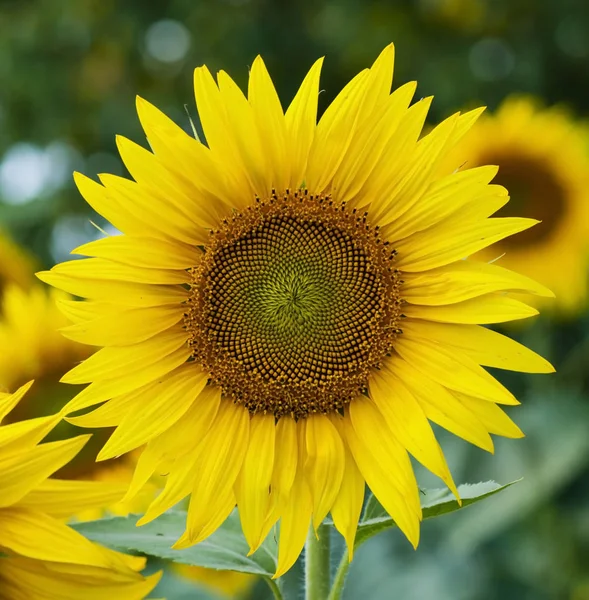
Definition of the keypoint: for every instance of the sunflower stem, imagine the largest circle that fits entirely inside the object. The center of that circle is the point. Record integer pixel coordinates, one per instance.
(340, 578)
(317, 564)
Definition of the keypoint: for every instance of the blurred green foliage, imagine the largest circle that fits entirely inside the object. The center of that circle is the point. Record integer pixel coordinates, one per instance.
(69, 73)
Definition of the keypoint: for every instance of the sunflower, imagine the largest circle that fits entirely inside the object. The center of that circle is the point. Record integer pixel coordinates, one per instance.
(41, 558)
(31, 346)
(290, 305)
(544, 162)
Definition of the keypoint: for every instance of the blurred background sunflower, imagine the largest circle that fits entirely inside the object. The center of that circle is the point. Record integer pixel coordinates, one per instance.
(69, 72)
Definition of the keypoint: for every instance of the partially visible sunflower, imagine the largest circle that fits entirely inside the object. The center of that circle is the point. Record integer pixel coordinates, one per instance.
(16, 265)
(41, 558)
(31, 346)
(543, 159)
(290, 305)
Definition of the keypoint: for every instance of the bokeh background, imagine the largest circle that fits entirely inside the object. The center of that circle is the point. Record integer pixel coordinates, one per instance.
(69, 73)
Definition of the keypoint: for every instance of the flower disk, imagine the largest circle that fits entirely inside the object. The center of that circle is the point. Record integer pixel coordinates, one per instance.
(292, 305)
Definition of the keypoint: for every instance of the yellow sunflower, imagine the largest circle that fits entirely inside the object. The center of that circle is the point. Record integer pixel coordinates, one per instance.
(16, 265)
(291, 303)
(543, 161)
(41, 558)
(31, 346)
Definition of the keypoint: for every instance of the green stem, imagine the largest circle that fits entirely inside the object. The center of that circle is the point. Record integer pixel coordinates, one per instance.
(274, 587)
(340, 578)
(317, 564)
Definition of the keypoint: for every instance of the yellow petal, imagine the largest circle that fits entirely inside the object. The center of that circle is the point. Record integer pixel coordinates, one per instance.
(452, 369)
(190, 161)
(9, 401)
(142, 252)
(347, 507)
(464, 280)
(384, 465)
(220, 139)
(442, 199)
(37, 535)
(442, 407)
(252, 487)
(25, 434)
(102, 268)
(113, 362)
(179, 445)
(409, 424)
(483, 345)
(491, 416)
(78, 311)
(286, 453)
(368, 148)
(443, 244)
(398, 158)
(24, 579)
(99, 391)
(334, 134)
(270, 122)
(121, 215)
(222, 454)
(163, 404)
(491, 308)
(412, 181)
(183, 204)
(223, 507)
(129, 326)
(62, 498)
(324, 467)
(21, 471)
(246, 136)
(295, 516)
(301, 118)
(127, 294)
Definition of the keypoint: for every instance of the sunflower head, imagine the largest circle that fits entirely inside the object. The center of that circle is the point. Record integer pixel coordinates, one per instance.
(38, 551)
(543, 161)
(290, 304)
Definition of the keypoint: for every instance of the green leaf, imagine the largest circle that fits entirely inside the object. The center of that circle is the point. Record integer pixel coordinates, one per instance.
(434, 503)
(226, 549)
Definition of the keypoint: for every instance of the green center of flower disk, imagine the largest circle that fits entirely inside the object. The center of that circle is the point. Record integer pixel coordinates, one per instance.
(295, 300)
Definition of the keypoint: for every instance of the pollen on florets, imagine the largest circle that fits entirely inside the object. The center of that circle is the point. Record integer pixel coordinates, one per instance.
(295, 300)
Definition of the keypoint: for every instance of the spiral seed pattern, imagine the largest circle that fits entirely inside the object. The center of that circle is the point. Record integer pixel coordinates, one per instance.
(294, 301)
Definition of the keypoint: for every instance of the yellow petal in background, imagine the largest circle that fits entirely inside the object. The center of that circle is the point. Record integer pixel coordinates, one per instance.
(9, 401)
